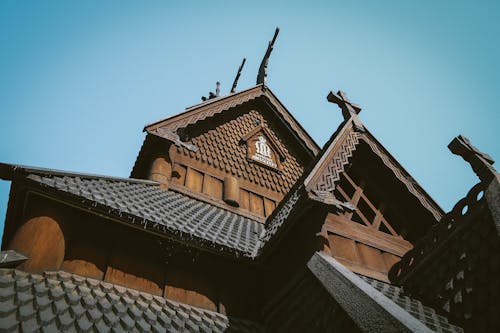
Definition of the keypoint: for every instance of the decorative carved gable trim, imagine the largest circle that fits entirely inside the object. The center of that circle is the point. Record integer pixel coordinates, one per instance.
(269, 135)
(206, 110)
(218, 105)
(338, 161)
(328, 169)
(262, 149)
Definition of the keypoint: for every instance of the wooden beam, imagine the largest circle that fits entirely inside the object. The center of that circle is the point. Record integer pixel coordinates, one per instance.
(366, 235)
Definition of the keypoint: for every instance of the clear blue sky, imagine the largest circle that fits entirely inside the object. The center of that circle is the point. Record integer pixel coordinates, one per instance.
(78, 80)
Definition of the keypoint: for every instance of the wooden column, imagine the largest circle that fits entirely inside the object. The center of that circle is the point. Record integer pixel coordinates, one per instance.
(41, 239)
(232, 191)
(161, 170)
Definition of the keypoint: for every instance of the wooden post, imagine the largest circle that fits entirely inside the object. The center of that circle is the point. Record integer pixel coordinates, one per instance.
(232, 191)
(161, 171)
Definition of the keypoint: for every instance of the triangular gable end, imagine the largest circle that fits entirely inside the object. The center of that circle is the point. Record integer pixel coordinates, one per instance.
(242, 152)
(341, 147)
(356, 168)
(215, 106)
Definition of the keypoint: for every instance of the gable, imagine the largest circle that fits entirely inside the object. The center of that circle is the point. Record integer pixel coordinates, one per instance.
(391, 211)
(221, 153)
(219, 105)
(243, 152)
(338, 156)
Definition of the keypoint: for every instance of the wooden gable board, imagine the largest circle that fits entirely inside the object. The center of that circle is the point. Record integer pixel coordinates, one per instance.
(341, 147)
(372, 246)
(218, 105)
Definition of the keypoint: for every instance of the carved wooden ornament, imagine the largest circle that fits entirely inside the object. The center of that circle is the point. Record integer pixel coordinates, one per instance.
(262, 149)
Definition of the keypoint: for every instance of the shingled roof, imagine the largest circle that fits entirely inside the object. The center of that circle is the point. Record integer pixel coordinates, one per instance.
(60, 301)
(423, 313)
(329, 297)
(82, 303)
(143, 204)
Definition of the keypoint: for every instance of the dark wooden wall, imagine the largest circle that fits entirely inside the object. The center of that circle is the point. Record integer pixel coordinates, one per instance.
(57, 237)
(363, 249)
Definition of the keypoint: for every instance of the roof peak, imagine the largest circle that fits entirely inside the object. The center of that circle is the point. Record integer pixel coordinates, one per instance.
(350, 110)
(221, 104)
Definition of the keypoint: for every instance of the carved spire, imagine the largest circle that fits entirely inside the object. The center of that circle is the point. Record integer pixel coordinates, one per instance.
(235, 82)
(480, 162)
(349, 109)
(261, 77)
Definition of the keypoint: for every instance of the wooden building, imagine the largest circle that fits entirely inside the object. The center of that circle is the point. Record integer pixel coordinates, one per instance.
(235, 220)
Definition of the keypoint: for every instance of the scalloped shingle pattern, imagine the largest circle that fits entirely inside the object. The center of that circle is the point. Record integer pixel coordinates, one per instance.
(220, 148)
(64, 302)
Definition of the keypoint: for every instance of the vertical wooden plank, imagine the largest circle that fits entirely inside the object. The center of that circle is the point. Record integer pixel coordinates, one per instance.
(344, 248)
(207, 184)
(134, 272)
(217, 188)
(256, 204)
(212, 187)
(190, 288)
(178, 174)
(194, 180)
(269, 206)
(371, 257)
(244, 199)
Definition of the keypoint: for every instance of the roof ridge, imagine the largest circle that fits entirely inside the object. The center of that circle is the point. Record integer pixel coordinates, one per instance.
(200, 105)
(219, 105)
(212, 100)
(7, 172)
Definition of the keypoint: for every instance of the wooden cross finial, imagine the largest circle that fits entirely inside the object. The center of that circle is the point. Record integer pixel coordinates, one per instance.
(349, 109)
(480, 162)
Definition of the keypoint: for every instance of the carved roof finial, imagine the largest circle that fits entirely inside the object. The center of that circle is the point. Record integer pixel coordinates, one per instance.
(349, 109)
(235, 82)
(480, 162)
(212, 94)
(261, 77)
